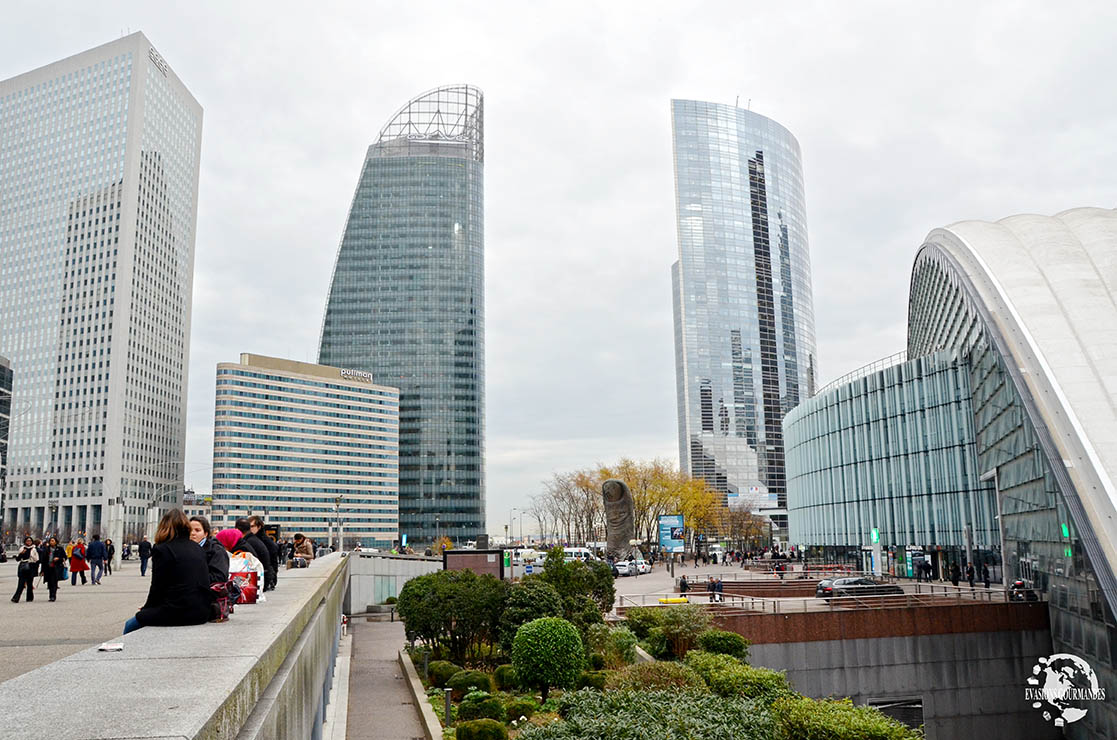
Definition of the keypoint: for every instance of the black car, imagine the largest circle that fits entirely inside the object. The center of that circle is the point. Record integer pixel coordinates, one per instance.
(824, 590)
(860, 586)
(1019, 591)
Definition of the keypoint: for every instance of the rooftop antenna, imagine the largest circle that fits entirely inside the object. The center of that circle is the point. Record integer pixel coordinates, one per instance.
(737, 102)
(750, 104)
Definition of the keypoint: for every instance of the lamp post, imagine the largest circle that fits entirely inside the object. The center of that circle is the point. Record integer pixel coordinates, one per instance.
(437, 536)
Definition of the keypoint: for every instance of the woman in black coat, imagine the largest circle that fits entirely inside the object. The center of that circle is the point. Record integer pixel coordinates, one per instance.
(217, 557)
(179, 593)
(27, 569)
(52, 565)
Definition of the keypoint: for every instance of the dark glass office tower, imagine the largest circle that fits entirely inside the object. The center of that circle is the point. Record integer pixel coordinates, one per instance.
(744, 321)
(406, 303)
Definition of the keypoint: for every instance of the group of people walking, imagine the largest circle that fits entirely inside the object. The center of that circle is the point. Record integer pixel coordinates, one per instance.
(49, 562)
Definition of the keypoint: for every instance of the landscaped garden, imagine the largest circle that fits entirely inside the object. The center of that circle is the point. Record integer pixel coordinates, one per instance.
(535, 660)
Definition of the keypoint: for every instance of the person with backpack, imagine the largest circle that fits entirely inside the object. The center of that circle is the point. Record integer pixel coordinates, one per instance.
(78, 564)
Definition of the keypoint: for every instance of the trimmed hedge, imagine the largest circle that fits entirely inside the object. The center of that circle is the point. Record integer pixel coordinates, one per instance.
(463, 682)
(651, 676)
(506, 678)
(751, 682)
(520, 708)
(706, 663)
(479, 705)
(800, 717)
(547, 652)
(481, 729)
(592, 680)
(724, 643)
(440, 671)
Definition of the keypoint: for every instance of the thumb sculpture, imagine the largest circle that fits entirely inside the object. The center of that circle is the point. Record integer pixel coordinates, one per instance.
(620, 519)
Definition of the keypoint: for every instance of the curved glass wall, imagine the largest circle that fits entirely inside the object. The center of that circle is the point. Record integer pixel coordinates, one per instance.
(406, 303)
(744, 322)
(892, 450)
(1044, 542)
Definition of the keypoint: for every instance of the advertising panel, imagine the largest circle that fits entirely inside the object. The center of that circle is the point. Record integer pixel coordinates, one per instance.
(671, 537)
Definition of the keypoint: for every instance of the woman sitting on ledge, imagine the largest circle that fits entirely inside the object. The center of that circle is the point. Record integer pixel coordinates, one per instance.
(179, 593)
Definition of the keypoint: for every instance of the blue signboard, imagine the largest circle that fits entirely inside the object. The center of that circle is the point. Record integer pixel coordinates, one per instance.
(671, 536)
(528, 569)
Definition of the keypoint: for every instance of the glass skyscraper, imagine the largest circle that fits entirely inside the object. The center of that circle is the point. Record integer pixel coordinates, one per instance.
(406, 303)
(744, 321)
(99, 159)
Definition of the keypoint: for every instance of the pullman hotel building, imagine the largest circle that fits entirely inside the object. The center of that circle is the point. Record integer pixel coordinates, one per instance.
(306, 447)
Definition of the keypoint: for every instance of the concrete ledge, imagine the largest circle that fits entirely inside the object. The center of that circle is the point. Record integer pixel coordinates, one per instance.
(262, 674)
(431, 726)
(642, 656)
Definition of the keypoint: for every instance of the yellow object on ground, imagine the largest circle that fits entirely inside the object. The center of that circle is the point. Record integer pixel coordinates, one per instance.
(675, 600)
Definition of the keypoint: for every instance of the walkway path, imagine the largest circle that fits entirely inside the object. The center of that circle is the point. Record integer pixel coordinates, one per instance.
(380, 704)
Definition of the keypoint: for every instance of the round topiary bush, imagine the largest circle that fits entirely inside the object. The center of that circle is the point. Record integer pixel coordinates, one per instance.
(481, 729)
(547, 652)
(529, 599)
(520, 708)
(592, 680)
(440, 671)
(479, 705)
(650, 676)
(465, 681)
(724, 643)
(506, 678)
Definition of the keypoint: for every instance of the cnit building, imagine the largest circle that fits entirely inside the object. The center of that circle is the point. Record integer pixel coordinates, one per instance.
(99, 156)
(310, 448)
(1001, 423)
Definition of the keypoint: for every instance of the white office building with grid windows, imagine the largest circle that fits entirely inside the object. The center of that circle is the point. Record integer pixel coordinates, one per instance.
(310, 448)
(99, 156)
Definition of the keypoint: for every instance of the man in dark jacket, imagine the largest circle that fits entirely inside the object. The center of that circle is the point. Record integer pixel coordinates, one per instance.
(145, 555)
(96, 554)
(271, 566)
(254, 546)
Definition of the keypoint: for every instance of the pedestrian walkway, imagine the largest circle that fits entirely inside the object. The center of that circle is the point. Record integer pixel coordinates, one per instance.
(42, 632)
(380, 704)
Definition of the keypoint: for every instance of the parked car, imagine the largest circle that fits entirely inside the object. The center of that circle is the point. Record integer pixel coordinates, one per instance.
(860, 586)
(642, 566)
(824, 590)
(625, 568)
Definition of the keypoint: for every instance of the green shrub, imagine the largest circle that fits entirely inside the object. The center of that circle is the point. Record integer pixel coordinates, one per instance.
(481, 729)
(506, 678)
(520, 708)
(706, 663)
(655, 715)
(391, 600)
(529, 599)
(547, 652)
(479, 705)
(648, 676)
(592, 680)
(465, 681)
(657, 645)
(640, 619)
(724, 643)
(681, 625)
(800, 717)
(576, 580)
(616, 645)
(751, 682)
(440, 671)
(455, 609)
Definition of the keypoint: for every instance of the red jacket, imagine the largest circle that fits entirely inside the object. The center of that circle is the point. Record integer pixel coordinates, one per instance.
(78, 564)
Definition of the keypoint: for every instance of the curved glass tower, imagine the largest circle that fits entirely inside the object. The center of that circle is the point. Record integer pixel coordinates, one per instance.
(744, 321)
(406, 303)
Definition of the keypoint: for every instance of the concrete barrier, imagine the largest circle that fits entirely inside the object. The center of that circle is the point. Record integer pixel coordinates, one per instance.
(263, 674)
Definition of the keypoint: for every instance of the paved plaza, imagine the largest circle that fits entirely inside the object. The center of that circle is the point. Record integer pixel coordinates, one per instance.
(32, 635)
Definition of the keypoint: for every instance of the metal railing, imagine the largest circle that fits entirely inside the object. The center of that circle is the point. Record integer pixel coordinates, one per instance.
(921, 594)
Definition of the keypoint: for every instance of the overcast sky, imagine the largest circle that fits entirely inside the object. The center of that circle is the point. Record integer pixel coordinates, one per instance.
(908, 120)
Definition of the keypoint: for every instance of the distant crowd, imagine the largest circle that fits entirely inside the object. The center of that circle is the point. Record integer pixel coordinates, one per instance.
(197, 574)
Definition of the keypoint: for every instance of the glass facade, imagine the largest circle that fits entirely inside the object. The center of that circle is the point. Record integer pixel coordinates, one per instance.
(892, 450)
(406, 303)
(744, 319)
(306, 447)
(99, 159)
(1048, 542)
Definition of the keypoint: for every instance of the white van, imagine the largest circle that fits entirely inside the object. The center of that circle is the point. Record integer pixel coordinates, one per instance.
(577, 553)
